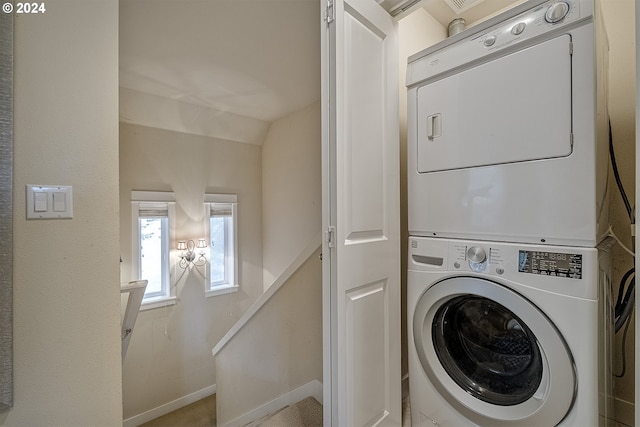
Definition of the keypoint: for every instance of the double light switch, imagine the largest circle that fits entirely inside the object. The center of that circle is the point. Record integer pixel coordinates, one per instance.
(49, 201)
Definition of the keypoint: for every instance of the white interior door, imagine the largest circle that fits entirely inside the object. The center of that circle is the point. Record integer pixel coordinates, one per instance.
(361, 213)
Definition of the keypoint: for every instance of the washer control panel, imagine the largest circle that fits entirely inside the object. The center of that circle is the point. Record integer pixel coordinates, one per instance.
(467, 256)
(565, 269)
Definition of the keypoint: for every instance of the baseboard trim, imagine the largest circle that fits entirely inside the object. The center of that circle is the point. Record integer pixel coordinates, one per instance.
(312, 388)
(154, 413)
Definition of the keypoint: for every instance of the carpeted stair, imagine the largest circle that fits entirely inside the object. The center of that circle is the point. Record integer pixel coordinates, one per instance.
(306, 413)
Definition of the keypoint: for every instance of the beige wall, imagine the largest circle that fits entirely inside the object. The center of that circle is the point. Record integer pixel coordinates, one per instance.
(620, 20)
(291, 189)
(66, 284)
(169, 355)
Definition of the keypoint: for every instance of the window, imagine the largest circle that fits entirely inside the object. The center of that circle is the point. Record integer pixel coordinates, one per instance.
(223, 255)
(153, 253)
(152, 214)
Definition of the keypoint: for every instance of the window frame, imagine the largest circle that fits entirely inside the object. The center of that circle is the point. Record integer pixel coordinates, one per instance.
(140, 198)
(231, 282)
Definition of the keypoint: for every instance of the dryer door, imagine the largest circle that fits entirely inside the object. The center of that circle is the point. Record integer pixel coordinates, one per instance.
(515, 108)
(492, 354)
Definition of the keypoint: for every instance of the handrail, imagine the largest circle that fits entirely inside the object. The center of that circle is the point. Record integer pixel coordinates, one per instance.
(304, 255)
(135, 290)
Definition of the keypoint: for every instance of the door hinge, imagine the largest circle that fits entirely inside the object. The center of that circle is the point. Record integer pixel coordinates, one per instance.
(328, 12)
(570, 48)
(571, 140)
(330, 236)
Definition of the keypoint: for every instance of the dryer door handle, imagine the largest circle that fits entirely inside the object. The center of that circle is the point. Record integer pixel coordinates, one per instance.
(434, 126)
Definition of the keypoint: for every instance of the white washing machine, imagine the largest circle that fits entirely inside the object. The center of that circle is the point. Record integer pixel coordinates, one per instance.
(507, 334)
(508, 129)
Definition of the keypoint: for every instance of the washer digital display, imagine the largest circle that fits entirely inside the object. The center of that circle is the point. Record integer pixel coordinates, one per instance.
(557, 264)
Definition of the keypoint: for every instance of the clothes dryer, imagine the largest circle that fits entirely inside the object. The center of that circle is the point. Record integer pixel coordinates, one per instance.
(508, 129)
(508, 335)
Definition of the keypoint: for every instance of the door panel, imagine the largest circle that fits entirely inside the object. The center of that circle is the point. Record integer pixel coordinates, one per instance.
(361, 178)
(363, 136)
(367, 340)
(529, 119)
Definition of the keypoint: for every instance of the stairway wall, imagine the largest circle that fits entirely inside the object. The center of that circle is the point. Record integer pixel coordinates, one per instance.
(278, 350)
(291, 189)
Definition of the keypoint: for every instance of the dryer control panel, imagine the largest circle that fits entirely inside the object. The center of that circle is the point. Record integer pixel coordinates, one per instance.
(525, 27)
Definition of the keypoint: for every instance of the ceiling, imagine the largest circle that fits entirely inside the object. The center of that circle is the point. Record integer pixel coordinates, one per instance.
(227, 68)
(258, 59)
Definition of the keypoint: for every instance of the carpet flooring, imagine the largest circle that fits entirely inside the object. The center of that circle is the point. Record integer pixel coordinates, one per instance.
(198, 414)
(306, 413)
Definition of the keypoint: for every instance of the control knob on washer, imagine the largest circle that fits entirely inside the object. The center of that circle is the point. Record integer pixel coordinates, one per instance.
(476, 254)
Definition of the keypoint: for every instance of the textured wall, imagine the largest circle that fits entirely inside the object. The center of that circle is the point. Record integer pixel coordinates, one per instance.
(66, 284)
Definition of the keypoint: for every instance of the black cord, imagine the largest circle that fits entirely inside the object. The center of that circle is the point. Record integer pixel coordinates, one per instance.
(625, 199)
(627, 306)
(621, 291)
(624, 346)
(625, 300)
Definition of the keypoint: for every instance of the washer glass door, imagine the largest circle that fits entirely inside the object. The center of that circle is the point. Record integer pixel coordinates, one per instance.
(487, 350)
(492, 354)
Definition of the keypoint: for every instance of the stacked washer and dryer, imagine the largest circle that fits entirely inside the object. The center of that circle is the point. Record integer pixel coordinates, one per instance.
(509, 303)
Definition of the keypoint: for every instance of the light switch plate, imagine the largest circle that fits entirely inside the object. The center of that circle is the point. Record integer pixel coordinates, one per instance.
(49, 201)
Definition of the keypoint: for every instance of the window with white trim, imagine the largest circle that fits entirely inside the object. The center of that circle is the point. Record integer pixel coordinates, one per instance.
(152, 215)
(222, 213)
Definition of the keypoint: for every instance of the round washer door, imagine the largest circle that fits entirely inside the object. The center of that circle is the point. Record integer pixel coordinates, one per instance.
(492, 354)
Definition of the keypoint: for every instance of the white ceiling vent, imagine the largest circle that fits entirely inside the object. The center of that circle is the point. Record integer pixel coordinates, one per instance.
(460, 6)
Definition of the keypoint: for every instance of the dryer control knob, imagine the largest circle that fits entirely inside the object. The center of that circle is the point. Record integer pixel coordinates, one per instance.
(490, 41)
(476, 254)
(556, 12)
(518, 28)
